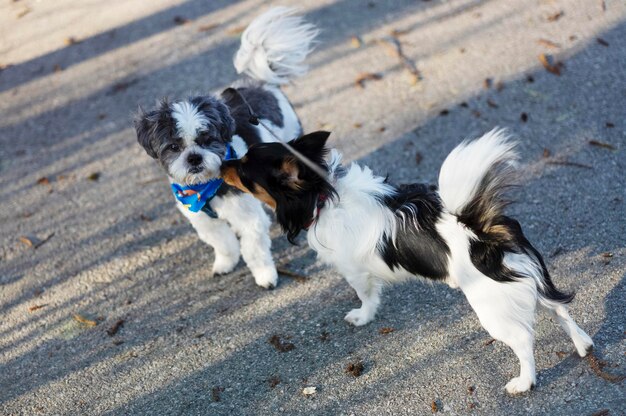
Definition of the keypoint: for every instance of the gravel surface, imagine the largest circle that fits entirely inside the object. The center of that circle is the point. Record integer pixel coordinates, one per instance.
(101, 238)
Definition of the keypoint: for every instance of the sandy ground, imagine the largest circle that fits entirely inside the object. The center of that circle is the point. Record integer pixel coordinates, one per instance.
(71, 171)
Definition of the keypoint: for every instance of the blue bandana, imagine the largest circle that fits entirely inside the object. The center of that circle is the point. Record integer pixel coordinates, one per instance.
(197, 197)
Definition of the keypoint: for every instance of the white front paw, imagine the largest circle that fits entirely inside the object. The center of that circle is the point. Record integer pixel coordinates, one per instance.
(519, 385)
(266, 277)
(359, 317)
(224, 264)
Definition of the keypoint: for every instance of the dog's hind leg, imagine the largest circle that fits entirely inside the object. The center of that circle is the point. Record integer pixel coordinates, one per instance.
(507, 312)
(368, 290)
(582, 341)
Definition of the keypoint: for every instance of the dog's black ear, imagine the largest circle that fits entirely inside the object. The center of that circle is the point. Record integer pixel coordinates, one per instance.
(311, 145)
(227, 128)
(144, 127)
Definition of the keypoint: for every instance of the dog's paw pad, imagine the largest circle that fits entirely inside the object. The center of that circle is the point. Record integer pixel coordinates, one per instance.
(518, 385)
(266, 277)
(358, 317)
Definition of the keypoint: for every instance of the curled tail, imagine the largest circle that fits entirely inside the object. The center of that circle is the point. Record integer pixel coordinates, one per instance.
(274, 46)
(474, 177)
(472, 185)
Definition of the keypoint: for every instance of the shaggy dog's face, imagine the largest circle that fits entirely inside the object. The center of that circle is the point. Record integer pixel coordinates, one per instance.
(188, 137)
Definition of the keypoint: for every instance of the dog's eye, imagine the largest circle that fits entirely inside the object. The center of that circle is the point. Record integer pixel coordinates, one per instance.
(174, 147)
(205, 141)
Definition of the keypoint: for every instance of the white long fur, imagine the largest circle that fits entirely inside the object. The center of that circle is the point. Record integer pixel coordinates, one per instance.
(275, 45)
(347, 232)
(465, 167)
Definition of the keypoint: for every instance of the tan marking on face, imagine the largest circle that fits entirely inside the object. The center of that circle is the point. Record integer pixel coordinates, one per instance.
(290, 167)
(231, 177)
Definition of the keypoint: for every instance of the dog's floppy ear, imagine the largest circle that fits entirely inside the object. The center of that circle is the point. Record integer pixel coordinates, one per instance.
(227, 128)
(311, 145)
(144, 126)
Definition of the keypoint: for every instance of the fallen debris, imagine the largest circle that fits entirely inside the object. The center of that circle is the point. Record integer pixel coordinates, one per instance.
(71, 41)
(601, 412)
(81, 319)
(36, 307)
(309, 391)
(418, 160)
(23, 12)
(386, 330)
(280, 345)
(546, 153)
(324, 336)
(180, 20)
(609, 125)
(487, 83)
(547, 62)
(293, 275)
(366, 76)
(236, 31)
(94, 176)
(597, 365)
(356, 368)
(122, 86)
(273, 381)
(116, 327)
(524, 117)
(215, 393)
(602, 144)
(489, 342)
(356, 42)
(35, 242)
(43, 181)
(491, 103)
(602, 42)
(444, 112)
(548, 43)
(206, 28)
(561, 354)
(394, 46)
(556, 16)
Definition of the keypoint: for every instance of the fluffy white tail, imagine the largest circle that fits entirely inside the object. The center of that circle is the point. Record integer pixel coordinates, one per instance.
(274, 46)
(475, 175)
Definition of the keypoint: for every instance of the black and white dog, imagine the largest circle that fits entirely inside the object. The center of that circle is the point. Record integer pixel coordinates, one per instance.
(190, 139)
(376, 233)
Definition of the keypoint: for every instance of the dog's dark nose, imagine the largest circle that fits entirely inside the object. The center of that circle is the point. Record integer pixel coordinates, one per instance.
(194, 159)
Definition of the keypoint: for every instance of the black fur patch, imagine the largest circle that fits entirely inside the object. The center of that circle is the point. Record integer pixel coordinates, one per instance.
(263, 103)
(506, 236)
(419, 248)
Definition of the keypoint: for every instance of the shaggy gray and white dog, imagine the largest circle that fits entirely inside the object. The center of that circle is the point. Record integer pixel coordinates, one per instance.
(191, 138)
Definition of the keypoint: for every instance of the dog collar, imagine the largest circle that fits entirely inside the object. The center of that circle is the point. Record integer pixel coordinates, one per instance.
(321, 201)
(197, 197)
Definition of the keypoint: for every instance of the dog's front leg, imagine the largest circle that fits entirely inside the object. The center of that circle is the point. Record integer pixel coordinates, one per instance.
(218, 235)
(247, 217)
(368, 289)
